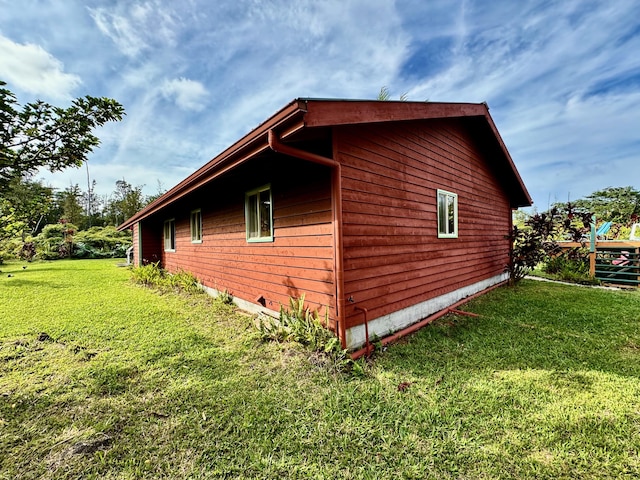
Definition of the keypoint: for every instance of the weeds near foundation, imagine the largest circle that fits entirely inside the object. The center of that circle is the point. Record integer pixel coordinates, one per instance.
(225, 297)
(302, 325)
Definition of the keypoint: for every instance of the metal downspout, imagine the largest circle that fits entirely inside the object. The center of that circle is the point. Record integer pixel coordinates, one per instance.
(366, 329)
(336, 200)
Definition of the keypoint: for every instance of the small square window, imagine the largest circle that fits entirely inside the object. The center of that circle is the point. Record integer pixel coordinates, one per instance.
(259, 215)
(196, 226)
(447, 214)
(170, 235)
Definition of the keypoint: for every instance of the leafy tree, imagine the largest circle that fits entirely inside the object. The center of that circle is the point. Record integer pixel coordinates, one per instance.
(620, 205)
(55, 241)
(126, 201)
(69, 200)
(101, 242)
(613, 204)
(160, 191)
(41, 135)
(25, 207)
(535, 239)
(92, 206)
(531, 244)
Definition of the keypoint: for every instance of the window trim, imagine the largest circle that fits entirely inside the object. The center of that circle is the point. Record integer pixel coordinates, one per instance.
(247, 195)
(172, 238)
(198, 212)
(453, 196)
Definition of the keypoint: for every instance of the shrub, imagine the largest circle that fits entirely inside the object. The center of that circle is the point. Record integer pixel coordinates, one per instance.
(28, 251)
(225, 297)
(149, 275)
(536, 241)
(152, 275)
(55, 241)
(10, 249)
(531, 244)
(102, 242)
(62, 240)
(571, 266)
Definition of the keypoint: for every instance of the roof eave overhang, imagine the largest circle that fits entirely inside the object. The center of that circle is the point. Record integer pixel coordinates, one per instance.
(290, 119)
(322, 113)
(522, 197)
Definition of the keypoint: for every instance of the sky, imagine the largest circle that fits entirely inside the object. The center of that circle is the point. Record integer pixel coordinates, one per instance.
(561, 78)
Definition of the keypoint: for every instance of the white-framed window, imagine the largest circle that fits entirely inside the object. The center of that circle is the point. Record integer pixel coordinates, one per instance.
(258, 210)
(170, 235)
(447, 214)
(196, 226)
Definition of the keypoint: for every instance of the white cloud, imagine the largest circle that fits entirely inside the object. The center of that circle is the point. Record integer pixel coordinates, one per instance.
(34, 70)
(135, 28)
(120, 31)
(187, 94)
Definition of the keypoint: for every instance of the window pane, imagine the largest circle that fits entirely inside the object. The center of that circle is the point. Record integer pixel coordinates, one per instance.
(265, 213)
(447, 214)
(196, 226)
(259, 215)
(169, 235)
(442, 213)
(166, 236)
(252, 216)
(451, 205)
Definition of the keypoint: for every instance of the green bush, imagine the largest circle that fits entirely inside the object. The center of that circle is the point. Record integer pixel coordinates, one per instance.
(102, 242)
(64, 240)
(10, 249)
(55, 241)
(225, 297)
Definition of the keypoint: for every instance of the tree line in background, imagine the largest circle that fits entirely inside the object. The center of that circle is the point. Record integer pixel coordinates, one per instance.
(36, 220)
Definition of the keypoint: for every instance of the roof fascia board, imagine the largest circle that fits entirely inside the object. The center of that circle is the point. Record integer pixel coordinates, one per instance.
(321, 113)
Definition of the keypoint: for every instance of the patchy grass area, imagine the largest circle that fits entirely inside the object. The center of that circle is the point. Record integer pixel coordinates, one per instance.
(100, 378)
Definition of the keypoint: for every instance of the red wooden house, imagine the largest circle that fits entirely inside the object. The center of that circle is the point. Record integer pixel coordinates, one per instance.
(400, 208)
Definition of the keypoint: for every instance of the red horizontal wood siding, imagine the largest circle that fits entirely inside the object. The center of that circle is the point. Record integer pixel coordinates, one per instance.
(299, 261)
(136, 243)
(393, 258)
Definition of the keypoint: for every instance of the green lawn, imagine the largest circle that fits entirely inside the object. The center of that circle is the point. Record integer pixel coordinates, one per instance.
(100, 378)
